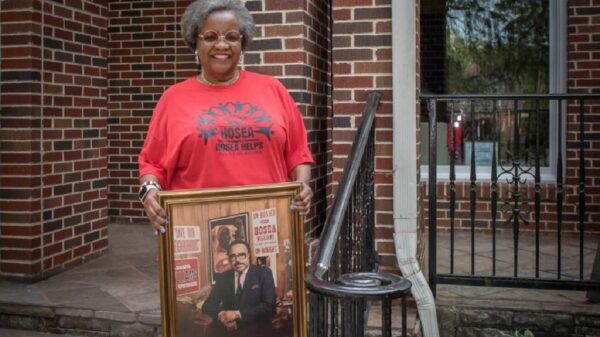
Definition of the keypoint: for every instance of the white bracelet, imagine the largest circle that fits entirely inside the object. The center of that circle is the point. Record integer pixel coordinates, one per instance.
(146, 187)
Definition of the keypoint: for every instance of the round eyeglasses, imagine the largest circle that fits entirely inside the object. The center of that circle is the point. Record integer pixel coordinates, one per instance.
(211, 37)
(238, 256)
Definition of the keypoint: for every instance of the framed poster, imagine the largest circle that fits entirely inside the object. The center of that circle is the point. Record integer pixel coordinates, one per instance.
(232, 263)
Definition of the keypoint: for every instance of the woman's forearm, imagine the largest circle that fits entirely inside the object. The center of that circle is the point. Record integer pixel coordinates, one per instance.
(148, 177)
(301, 173)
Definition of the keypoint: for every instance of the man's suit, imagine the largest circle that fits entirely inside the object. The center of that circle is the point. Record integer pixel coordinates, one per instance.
(256, 304)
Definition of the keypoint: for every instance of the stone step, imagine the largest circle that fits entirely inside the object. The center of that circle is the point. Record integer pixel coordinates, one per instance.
(78, 322)
(20, 320)
(29, 333)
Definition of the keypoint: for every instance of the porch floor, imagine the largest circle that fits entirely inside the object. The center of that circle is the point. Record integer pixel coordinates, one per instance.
(119, 291)
(116, 294)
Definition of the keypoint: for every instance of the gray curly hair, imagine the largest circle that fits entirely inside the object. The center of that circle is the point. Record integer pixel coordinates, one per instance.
(197, 12)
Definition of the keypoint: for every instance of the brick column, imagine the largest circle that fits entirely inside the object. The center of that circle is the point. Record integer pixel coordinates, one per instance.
(292, 44)
(362, 62)
(53, 211)
(584, 77)
(20, 153)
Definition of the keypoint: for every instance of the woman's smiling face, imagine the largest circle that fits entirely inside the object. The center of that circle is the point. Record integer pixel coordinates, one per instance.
(219, 58)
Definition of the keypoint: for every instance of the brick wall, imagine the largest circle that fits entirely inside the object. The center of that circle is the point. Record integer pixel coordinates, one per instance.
(147, 55)
(53, 172)
(362, 62)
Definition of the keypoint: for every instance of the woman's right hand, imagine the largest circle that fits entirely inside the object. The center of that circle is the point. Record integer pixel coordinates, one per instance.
(156, 214)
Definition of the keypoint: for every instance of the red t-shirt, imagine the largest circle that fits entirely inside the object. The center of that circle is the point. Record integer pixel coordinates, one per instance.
(249, 132)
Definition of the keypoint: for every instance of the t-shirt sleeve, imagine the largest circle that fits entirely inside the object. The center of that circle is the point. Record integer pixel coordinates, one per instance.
(296, 150)
(149, 160)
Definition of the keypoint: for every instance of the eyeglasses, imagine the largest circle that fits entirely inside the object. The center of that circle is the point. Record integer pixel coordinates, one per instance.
(211, 37)
(239, 256)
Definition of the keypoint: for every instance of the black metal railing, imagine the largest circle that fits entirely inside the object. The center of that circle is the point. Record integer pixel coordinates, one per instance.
(529, 140)
(344, 280)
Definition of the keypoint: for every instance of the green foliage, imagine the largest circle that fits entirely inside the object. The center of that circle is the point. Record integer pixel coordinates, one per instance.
(501, 47)
(517, 333)
(497, 46)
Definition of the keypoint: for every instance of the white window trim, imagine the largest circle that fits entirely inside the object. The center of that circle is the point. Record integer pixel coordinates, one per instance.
(558, 17)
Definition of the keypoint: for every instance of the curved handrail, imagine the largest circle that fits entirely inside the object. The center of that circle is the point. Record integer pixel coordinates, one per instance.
(333, 222)
(364, 285)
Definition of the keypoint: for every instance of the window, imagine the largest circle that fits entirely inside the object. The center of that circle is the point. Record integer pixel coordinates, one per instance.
(490, 47)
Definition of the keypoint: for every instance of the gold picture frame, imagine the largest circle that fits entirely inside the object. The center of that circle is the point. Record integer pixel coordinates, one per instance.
(196, 266)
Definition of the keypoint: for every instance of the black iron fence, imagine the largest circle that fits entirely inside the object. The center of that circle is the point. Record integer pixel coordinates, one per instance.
(524, 166)
(344, 281)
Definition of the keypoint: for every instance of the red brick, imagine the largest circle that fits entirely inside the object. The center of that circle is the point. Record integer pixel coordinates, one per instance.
(579, 3)
(373, 67)
(62, 258)
(272, 5)
(353, 81)
(8, 230)
(351, 3)
(22, 255)
(342, 14)
(19, 268)
(284, 57)
(22, 243)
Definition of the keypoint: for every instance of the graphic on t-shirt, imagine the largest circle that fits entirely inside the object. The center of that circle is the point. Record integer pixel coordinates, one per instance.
(236, 127)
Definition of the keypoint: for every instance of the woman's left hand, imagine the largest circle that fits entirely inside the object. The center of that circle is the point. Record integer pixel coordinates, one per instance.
(301, 202)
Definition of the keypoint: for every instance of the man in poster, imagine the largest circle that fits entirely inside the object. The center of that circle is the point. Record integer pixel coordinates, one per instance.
(242, 301)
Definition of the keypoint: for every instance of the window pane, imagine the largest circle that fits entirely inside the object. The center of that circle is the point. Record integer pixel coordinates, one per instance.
(466, 128)
(486, 47)
(497, 46)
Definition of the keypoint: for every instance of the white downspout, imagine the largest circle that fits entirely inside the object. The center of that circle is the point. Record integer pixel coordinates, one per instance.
(404, 74)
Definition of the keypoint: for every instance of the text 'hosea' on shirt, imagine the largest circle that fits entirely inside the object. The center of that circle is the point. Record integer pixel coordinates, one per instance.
(237, 133)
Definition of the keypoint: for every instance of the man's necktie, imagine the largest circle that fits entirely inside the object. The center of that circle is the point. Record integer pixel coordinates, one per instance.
(238, 292)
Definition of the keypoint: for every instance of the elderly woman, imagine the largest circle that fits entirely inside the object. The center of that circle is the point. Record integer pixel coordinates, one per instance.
(225, 126)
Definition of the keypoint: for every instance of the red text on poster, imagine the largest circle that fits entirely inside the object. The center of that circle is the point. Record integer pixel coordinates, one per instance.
(186, 239)
(186, 276)
(264, 232)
